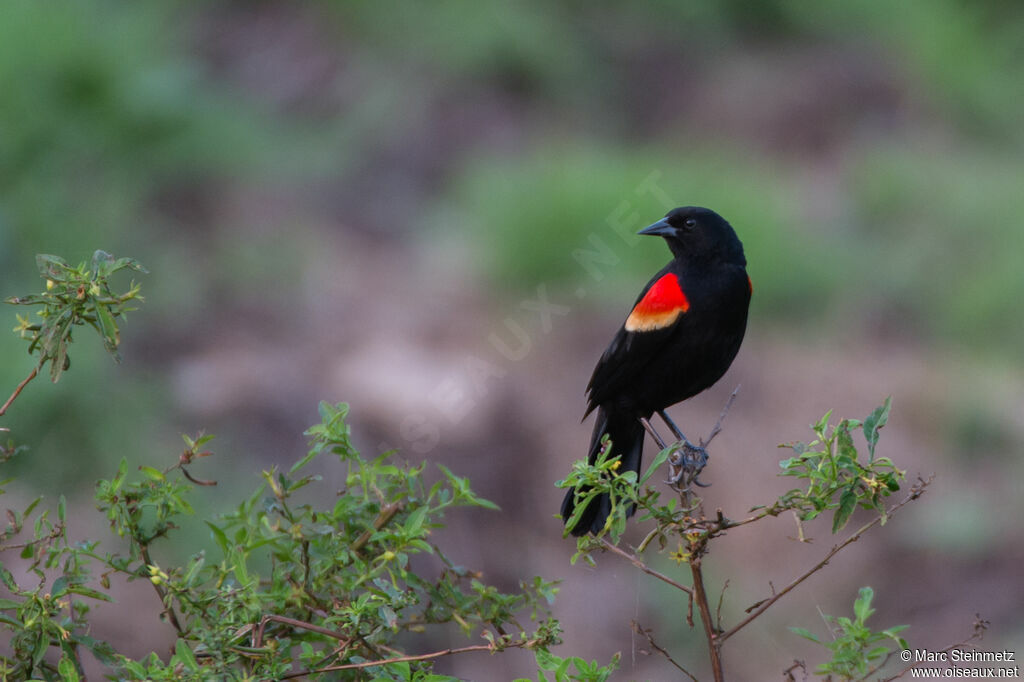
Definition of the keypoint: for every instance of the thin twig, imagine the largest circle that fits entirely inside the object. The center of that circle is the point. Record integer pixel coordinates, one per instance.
(17, 391)
(387, 512)
(54, 533)
(788, 672)
(717, 428)
(303, 625)
(409, 659)
(197, 481)
(718, 611)
(762, 606)
(654, 645)
(633, 559)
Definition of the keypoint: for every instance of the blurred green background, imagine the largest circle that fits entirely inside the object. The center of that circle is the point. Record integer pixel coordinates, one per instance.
(350, 202)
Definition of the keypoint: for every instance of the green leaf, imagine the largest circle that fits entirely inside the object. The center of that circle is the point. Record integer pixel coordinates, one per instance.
(89, 592)
(659, 459)
(546, 660)
(220, 537)
(822, 425)
(31, 507)
(152, 473)
(304, 461)
(60, 586)
(805, 633)
(239, 567)
(68, 671)
(414, 523)
(42, 644)
(185, 655)
(862, 606)
(847, 503)
(30, 299)
(108, 330)
(103, 651)
(130, 263)
(51, 267)
(844, 441)
(874, 422)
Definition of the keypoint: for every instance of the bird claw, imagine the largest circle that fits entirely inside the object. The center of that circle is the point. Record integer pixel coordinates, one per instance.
(687, 464)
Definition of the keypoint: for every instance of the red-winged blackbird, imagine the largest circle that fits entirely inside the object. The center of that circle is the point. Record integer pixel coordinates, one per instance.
(680, 337)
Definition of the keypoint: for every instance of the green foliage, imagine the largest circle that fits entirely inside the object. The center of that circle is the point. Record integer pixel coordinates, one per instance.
(837, 478)
(590, 480)
(831, 467)
(75, 296)
(295, 584)
(857, 650)
(572, 669)
(300, 583)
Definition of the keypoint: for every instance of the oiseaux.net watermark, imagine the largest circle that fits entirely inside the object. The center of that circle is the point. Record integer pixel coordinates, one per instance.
(961, 664)
(457, 395)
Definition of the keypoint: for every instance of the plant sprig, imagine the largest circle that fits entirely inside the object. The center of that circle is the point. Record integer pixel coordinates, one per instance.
(836, 477)
(74, 296)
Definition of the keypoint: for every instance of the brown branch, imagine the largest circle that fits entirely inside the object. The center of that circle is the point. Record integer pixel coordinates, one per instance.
(387, 512)
(797, 665)
(718, 611)
(633, 559)
(257, 641)
(701, 597)
(762, 606)
(17, 391)
(54, 533)
(409, 659)
(654, 645)
(197, 481)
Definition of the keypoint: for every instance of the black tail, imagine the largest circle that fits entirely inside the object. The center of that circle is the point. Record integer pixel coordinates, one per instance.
(627, 436)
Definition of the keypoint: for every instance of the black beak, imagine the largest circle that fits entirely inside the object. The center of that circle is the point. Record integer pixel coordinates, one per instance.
(659, 229)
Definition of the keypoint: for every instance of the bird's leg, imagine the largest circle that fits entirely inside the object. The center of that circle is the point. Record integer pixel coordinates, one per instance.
(672, 425)
(687, 465)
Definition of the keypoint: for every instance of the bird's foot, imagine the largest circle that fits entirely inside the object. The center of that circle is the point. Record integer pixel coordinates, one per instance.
(686, 464)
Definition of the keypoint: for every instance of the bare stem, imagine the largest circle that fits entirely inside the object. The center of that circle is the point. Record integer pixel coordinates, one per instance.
(760, 607)
(635, 560)
(721, 418)
(302, 625)
(654, 645)
(409, 659)
(701, 597)
(386, 513)
(17, 391)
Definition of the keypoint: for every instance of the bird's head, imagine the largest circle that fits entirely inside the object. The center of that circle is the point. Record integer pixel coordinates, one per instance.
(695, 232)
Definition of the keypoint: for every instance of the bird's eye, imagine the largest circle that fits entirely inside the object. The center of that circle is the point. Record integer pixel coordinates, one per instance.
(690, 223)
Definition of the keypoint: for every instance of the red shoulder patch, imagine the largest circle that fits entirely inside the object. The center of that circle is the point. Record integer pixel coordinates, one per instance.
(660, 306)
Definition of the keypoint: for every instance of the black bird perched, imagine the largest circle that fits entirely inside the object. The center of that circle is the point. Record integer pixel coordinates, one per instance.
(680, 338)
